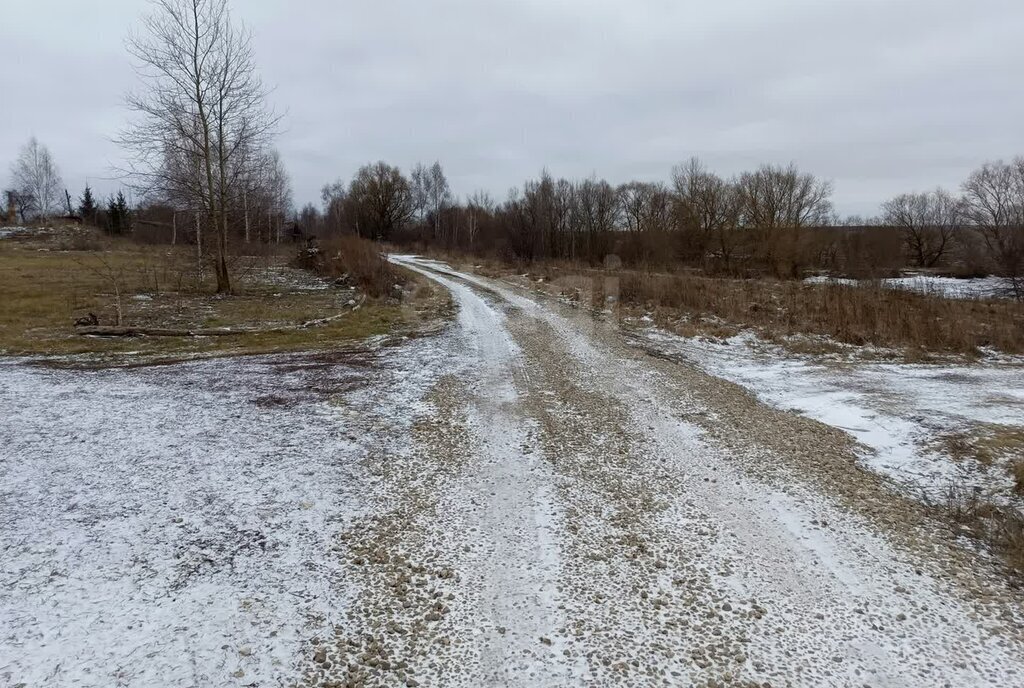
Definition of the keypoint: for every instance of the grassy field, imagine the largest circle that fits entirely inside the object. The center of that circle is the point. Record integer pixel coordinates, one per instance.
(48, 283)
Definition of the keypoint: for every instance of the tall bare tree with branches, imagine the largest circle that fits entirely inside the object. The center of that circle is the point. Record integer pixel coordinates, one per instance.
(36, 180)
(202, 116)
(994, 205)
(929, 222)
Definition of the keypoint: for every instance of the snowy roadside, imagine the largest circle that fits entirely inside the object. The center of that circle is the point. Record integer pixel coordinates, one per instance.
(164, 526)
(8, 232)
(898, 411)
(168, 526)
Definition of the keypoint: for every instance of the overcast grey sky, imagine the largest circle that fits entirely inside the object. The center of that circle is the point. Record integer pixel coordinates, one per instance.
(880, 96)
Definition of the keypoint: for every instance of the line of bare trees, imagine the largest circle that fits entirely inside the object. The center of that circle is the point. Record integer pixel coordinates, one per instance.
(697, 219)
(381, 203)
(774, 220)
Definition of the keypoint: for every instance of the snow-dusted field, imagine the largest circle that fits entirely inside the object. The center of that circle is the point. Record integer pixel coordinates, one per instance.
(178, 525)
(167, 526)
(895, 410)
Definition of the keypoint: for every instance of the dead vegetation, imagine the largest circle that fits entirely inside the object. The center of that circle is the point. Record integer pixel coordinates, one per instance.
(353, 261)
(988, 444)
(1016, 469)
(999, 526)
(860, 315)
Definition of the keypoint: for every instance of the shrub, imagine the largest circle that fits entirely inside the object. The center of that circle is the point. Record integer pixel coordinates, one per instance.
(356, 261)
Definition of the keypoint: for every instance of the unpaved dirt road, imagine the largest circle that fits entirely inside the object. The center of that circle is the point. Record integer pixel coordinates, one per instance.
(599, 532)
(528, 499)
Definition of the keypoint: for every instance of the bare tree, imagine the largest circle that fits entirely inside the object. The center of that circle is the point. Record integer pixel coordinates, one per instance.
(112, 273)
(439, 195)
(994, 205)
(277, 187)
(784, 198)
(333, 196)
(36, 180)
(381, 201)
(420, 182)
(777, 204)
(480, 204)
(634, 199)
(929, 222)
(597, 213)
(310, 220)
(203, 113)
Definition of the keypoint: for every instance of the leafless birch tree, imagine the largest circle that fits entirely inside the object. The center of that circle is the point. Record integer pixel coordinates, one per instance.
(36, 180)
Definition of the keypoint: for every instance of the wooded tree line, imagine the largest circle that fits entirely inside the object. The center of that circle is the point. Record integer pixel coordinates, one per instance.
(774, 220)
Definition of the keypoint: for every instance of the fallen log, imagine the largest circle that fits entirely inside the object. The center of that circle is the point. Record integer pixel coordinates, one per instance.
(129, 331)
(100, 331)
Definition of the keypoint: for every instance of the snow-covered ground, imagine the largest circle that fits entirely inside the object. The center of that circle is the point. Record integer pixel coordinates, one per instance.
(896, 410)
(173, 526)
(165, 526)
(949, 287)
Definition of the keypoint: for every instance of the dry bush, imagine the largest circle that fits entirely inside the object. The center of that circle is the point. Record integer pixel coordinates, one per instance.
(999, 526)
(358, 262)
(1017, 473)
(988, 444)
(865, 314)
(866, 252)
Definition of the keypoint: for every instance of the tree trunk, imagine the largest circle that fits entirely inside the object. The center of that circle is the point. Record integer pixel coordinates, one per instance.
(245, 208)
(199, 244)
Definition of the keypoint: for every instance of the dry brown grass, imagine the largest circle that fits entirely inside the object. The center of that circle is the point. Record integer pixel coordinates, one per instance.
(986, 443)
(866, 314)
(1001, 527)
(1016, 469)
(856, 315)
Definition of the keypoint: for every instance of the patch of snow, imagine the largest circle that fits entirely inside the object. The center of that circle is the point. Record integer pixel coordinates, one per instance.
(826, 279)
(896, 410)
(167, 526)
(282, 276)
(8, 232)
(952, 288)
(947, 287)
